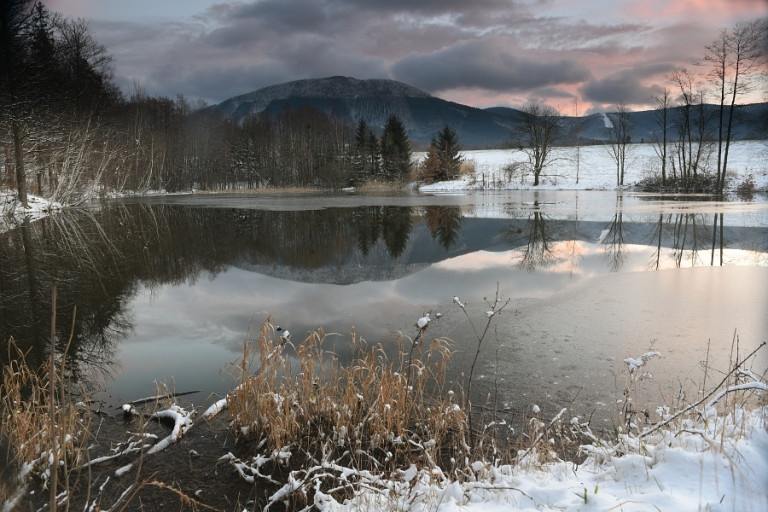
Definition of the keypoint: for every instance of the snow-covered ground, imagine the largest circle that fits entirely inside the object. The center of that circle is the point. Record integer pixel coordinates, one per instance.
(714, 464)
(12, 212)
(595, 167)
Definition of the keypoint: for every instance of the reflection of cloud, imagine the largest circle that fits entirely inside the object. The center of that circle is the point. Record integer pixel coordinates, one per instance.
(475, 261)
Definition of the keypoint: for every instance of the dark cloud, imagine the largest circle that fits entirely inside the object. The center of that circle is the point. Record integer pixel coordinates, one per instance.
(626, 87)
(535, 49)
(486, 64)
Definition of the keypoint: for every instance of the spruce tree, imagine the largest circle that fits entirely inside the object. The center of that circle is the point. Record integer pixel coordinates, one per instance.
(395, 151)
(443, 161)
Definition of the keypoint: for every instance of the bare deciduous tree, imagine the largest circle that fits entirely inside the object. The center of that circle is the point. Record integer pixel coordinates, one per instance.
(734, 56)
(619, 139)
(541, 127)
(663, 104)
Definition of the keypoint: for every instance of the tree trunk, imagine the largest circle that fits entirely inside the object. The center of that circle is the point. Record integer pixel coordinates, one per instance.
(18, 154)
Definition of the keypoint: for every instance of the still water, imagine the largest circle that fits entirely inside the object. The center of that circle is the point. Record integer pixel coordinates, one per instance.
(164, 289)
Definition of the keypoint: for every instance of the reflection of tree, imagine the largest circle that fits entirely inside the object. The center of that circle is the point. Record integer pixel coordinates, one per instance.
(390, 223)
(367, 221)
(718, 217)
(396, 229)
(658, 236)
(444, 223)
(537, 252)
(101, 258)
(684, 234)
(613, 240)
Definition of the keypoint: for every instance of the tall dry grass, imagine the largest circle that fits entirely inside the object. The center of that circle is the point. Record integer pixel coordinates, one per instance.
(43, 427)
(372, 413)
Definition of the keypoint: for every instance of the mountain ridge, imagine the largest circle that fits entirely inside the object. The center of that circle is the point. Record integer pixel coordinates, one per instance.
(374, 100)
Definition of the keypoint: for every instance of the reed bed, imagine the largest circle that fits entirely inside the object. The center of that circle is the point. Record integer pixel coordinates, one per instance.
(373, 414)
(312, 429)
(42, 424)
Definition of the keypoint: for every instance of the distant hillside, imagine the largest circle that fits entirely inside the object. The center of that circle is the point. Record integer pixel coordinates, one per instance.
(375, 101)
(750, 122)
(423, 115)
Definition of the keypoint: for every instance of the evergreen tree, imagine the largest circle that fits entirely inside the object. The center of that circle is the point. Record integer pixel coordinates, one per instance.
(373, 157)
(359, 149)
(365, 153)
(443, 161)
(15, 86)
(395, 151)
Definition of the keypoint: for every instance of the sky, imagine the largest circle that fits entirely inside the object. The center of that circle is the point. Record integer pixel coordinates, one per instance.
(579, 56)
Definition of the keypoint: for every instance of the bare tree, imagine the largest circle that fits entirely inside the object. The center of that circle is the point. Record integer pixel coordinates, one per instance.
(576, 127)
(734, 57)
(663, 104)
(690, 149)
(15, 19)
(619, 138)
(541, 127)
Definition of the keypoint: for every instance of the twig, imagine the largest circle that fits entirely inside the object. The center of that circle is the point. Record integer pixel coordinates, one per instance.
(541, 435)
(736, 366)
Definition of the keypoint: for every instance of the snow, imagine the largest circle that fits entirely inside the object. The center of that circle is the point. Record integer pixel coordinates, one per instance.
(12, 213)
(716, 465)
(596, 168)
(635, 363)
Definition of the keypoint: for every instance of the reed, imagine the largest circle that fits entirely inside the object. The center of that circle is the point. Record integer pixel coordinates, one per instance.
(46, 431)
(369, 413)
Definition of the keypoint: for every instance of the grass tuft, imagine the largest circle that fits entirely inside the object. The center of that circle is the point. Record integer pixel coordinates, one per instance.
(27, 407)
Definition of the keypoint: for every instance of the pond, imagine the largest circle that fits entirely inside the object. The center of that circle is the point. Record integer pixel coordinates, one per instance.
(164, 289)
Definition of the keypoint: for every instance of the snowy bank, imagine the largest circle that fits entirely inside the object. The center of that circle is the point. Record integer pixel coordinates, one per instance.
(12, 213)
(716, 463)
(591, 168)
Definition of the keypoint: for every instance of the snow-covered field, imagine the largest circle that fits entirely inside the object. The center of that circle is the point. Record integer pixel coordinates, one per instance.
(595, 167)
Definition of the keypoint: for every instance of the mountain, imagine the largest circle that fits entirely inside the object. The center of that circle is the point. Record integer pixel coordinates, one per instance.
(375, 100)
(749, 123)
(423, 115)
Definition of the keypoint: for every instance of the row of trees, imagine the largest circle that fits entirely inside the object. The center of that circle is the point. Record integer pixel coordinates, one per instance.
(683, 116)
(387, 158)
(66, 131)
(54, 84)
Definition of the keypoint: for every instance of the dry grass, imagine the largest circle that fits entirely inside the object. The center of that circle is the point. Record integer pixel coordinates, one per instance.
(467, 168)
(373, 413)
(27, 405)
(377, 187)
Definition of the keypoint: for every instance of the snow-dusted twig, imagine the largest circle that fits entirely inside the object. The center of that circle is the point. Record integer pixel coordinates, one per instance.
(679, 413)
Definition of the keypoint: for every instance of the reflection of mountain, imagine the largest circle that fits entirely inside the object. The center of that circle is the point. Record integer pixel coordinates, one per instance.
(492, 235)
(100, 258)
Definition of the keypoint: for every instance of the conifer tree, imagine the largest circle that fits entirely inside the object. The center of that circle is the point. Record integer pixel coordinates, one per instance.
(443, 161)
(395, 151)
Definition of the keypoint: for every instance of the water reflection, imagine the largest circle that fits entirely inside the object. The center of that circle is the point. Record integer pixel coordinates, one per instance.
(444, 223)
(612, 238)
(187, 279)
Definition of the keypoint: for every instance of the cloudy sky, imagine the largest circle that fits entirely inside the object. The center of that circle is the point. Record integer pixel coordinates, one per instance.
(477, 52)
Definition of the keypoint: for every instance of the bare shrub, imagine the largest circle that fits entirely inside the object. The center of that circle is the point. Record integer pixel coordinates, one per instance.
(467, 167)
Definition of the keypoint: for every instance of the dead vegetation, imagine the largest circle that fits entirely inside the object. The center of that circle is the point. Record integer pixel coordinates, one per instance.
(309, 429)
